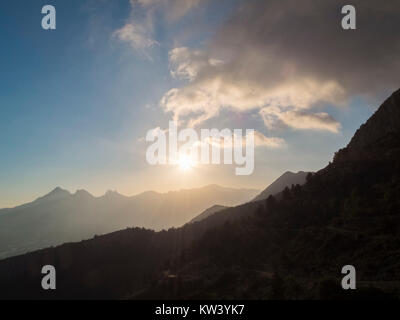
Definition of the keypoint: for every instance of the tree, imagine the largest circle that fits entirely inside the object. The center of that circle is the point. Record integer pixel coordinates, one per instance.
(271, 203)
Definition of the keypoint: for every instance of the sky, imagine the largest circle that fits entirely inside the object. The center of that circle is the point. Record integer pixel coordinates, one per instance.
(77, 102)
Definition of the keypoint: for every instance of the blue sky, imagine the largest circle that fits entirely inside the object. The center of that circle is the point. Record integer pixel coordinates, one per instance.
(75, 101)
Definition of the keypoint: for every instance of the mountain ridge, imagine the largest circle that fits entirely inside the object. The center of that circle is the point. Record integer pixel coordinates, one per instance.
(64, 216)
(59, 192)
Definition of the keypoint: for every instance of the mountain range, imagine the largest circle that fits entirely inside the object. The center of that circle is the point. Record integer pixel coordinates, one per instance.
(60, 216)
(290, 246)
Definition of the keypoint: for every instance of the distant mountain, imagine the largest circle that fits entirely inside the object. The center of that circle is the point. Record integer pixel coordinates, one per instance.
(286, 180)
(60, 216)
(208, 212)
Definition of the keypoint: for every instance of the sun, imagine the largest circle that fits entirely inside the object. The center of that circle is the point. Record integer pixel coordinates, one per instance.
(185, 163)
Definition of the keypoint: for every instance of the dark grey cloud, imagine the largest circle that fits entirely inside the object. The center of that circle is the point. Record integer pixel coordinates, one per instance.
(308, 35)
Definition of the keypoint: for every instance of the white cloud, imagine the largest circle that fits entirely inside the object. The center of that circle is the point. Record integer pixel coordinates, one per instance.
(139, 29)
(300, 120)
(242, 85)
(186, 63)
(261, 140)
(137, 36)
(313, 121)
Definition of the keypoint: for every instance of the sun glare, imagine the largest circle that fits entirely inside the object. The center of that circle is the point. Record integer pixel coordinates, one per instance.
(185, 163)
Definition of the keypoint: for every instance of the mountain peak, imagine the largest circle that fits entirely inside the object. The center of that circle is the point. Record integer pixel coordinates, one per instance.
(56, 193)
(285, 180)
(112, 194)
(83, 194)
(57, 189)
(386, 120)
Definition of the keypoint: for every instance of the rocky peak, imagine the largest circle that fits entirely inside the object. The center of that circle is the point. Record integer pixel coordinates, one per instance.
(386, 120)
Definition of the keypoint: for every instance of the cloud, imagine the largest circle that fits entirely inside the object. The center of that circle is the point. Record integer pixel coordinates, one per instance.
(137, 36)
(309, 39)
(283, 60)
(300, 120)
(139, 28)
(186, 63)
(213, 87)
(261, 140)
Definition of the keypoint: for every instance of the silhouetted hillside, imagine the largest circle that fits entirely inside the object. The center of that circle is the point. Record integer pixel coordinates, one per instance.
(115, 265)
(288, 247)
(295, 247)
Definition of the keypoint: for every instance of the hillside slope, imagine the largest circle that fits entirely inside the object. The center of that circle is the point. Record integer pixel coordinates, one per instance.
(209, 212)
(295, 247)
